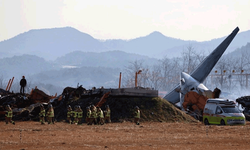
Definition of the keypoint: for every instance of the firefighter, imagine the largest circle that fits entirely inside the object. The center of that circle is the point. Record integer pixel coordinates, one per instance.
(8, 115)
(88, 115)
(80, 114)
(107, 114)
(75, 114)
(42, 114)
(23, 83)
(50, 114)
(137, 115)
(69, 114)
(100, 117)
(93, 115)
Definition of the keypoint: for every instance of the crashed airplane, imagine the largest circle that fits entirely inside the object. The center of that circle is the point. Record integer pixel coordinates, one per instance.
(194, 81)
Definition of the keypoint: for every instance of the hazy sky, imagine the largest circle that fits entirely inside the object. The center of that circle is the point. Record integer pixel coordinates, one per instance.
(125, 19)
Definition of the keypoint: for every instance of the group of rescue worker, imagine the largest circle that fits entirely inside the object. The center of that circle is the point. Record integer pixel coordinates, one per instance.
(49, 114)
(94, 115)
(77, 114)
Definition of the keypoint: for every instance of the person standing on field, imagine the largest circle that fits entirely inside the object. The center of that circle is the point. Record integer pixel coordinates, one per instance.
(137, 115)
(50, 114)
(69, 114)
(42, 114)
(100, 117)
(75, 115)
(88, 115)
(9, 115)
(80, 115)
(93, 115)
(107, 113)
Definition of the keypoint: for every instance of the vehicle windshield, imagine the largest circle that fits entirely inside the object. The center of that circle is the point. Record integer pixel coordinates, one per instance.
(230, 110)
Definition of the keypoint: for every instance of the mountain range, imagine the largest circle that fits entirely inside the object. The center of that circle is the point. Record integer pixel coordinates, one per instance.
(51, 44)
(65, 56)
(112, 59)
(87, 68)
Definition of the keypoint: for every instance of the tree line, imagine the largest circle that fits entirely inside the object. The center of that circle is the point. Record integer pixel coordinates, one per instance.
(231, 73)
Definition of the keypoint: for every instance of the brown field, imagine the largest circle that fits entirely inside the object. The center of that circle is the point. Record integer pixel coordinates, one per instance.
(148, 135)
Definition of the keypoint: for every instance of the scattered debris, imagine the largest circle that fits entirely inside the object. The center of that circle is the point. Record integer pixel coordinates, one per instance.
(194, 102)
(245, 103)
(26, 107)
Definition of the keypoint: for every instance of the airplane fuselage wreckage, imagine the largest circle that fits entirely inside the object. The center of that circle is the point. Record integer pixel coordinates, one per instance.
(193, 82)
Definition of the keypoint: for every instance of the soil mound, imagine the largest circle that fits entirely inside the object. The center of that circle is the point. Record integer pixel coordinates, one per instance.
(122, 109)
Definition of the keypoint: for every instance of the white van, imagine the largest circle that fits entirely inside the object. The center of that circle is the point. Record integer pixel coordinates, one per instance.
(223, 112)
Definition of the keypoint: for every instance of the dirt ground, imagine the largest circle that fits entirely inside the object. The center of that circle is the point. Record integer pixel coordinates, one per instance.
(147, 135)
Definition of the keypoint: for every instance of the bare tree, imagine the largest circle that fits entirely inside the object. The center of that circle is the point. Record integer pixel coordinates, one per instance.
(155, 77)
(232, 66)
(170, 72)
(221, 68)
(188, 61)
(243, 64)
(144, 77)
(166, 71)
(129, 73)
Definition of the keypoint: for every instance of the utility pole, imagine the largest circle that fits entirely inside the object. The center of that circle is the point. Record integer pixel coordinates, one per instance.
(120, 80)
(136, 73)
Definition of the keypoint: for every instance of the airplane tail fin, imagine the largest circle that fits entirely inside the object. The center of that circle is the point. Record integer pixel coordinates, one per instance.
(203, 70)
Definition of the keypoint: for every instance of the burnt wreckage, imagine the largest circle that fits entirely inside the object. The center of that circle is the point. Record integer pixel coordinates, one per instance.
(26, 107)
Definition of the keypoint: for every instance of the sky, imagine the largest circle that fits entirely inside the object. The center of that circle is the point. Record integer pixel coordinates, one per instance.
(199, 20)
